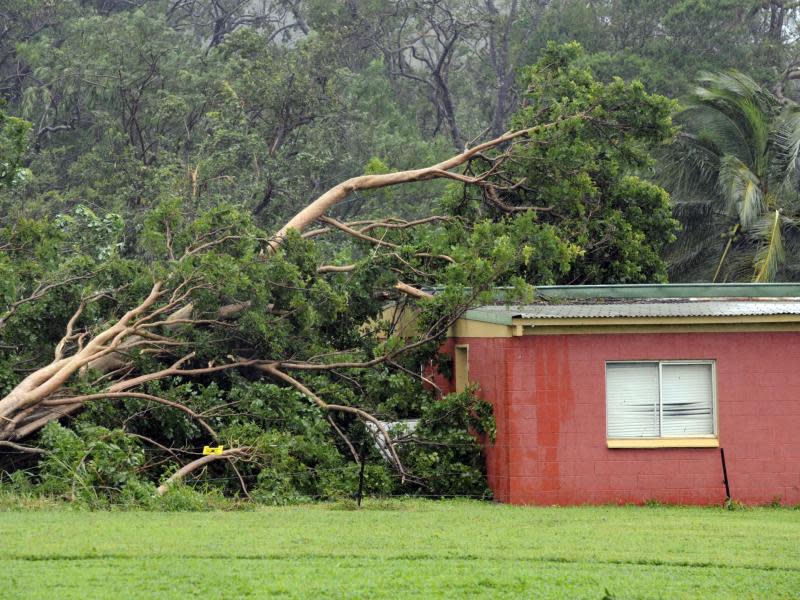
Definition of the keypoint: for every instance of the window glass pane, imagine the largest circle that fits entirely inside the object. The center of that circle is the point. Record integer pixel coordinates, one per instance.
(687, 400)
(632, 400)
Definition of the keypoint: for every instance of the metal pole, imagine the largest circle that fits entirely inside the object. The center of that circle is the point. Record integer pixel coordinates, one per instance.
(363, 459)
(725, 475)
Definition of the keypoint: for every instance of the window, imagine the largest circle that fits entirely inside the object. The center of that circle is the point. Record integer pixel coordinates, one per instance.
(667, 401)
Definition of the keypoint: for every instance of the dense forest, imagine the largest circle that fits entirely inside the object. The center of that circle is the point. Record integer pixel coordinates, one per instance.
(205, 204)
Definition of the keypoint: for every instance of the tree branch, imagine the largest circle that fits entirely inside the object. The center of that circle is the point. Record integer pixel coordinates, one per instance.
(339, 192)
(21, 448)
(201, 462)
(105, 395)
(412, 291)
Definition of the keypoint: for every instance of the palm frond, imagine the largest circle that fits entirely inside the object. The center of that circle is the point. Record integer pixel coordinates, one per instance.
(770, 254)
(726, 88)
(790, 238)
(749, 110)
(739, 265)
(738, 154)
(694, 255)
(757, 122)
(719, 131)
(786, 163)
(741, 190)
(689, 167)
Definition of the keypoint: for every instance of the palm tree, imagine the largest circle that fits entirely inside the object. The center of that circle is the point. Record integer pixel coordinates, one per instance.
(734, 171)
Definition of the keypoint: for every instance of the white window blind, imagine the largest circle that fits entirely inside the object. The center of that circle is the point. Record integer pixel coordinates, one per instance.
(632, 400)
(651, 399)
(687, 400)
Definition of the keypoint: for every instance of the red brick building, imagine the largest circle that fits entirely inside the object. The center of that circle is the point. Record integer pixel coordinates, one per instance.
(618, 394)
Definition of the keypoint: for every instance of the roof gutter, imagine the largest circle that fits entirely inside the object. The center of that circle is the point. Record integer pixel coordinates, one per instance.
(631, 321)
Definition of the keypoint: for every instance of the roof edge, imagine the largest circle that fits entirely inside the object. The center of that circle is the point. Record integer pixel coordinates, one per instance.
(671, 290)
(653, 291)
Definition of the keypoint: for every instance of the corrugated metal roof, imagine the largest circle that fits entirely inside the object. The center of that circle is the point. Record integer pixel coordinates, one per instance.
(683, 308)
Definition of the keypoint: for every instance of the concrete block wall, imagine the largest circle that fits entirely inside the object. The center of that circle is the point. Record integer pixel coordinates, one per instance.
(548, 392)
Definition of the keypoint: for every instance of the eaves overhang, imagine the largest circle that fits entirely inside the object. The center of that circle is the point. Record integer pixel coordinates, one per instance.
(685, 316)
(662, 321)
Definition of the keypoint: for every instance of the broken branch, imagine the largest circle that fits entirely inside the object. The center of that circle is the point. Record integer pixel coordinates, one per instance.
(200, 462)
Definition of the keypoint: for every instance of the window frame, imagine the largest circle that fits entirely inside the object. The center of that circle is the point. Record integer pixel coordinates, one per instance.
(666, 441)
(460, 367)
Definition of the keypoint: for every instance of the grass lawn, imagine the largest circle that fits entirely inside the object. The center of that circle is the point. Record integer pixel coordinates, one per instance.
(407, 549)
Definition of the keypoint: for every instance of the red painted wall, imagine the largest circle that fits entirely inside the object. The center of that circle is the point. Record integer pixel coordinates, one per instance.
(548, 392)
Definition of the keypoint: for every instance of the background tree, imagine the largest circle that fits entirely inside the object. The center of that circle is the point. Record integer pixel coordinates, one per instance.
(13, 144)
(336, 85)
(668, 44)
(735, 176)
(581, 176)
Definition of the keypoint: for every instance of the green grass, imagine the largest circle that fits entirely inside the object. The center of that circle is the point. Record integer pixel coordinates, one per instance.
(406, 549)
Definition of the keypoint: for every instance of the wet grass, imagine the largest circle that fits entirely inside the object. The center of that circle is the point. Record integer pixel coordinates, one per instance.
(404, 549)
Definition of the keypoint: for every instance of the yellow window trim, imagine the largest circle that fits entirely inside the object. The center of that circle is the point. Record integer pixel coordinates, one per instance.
(676, 442)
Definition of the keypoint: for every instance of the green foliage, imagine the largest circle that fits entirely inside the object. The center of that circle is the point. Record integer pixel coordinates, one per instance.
(450, 460)
(96, 237)
(134, 112)
(184, 498)
(92, 465)
(289, 309)
(593, 220)
(667, 44)
(13, 144)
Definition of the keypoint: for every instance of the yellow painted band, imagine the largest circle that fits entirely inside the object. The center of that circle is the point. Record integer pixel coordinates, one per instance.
(688, 442)
(479, 329)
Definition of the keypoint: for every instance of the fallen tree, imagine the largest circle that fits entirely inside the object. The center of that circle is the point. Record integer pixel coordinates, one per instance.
(39, 398)
(30, 405)
(210, 305)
